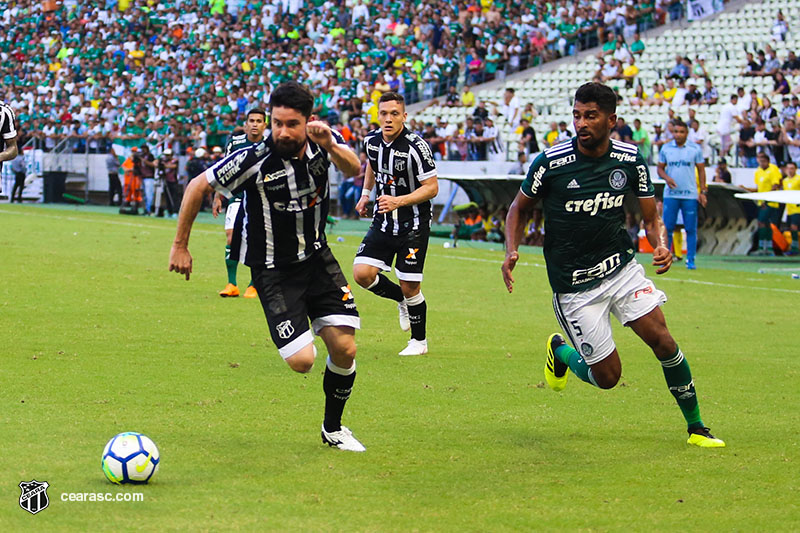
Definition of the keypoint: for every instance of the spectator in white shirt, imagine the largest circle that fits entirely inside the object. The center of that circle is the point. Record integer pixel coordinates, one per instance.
(510, 108)
(698, 135)
(729, 114)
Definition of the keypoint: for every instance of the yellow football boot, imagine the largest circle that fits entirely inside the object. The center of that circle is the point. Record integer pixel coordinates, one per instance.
(554, 366)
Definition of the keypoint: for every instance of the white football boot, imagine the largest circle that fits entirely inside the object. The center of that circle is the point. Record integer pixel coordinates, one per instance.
(415, 347)
(342, 439)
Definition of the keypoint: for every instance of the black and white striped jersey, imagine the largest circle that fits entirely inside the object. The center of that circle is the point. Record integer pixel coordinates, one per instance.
(400, 167)
(237, 142)
(285, 205)
(7, 129)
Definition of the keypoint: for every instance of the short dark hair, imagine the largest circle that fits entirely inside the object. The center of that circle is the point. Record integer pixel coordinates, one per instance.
(257, 111)
(510, 89)
(391, 96)
(678, 123)
(598, 93)
(294, 96)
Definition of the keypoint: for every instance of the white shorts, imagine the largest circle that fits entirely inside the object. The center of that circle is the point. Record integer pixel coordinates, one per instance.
(584, 316)
(230, 214)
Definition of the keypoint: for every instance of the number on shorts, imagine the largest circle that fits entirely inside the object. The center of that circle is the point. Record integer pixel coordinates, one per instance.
(577, 328)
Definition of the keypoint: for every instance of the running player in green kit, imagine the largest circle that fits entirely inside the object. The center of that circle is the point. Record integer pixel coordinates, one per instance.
(254, 133)
(590, 257)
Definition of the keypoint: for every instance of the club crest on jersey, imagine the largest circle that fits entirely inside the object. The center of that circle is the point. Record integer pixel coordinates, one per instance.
(617, 179)
(285, 329)
(399, 165)
(317, 166)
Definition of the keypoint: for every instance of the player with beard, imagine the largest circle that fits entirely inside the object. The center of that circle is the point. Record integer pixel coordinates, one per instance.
(254, 133)
(590, 256)
(286, 201)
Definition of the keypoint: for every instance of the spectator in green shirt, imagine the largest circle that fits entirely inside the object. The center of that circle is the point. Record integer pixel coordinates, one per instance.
(642, 140)
(637, 46)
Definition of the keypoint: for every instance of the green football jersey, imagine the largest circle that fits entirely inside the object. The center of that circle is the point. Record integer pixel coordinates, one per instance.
(585, 239)
(235, 143)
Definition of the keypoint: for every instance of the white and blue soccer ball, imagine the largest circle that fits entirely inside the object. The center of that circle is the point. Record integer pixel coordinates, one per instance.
(130, 458)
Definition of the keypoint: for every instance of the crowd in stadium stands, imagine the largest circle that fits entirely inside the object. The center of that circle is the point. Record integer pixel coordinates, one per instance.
(182, 73)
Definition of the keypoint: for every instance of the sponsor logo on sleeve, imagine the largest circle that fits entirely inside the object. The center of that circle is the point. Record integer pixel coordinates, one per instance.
(536, 180)
(643, 178)
(230, 168)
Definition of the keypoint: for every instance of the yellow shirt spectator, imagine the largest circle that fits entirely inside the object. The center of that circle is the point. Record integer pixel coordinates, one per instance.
(792, 184)
(468, 99)
(669, 94)
(766, 179)
(630, 71)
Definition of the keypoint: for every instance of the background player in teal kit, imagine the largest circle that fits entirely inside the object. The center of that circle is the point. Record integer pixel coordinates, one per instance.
(677, 161)
(590, 256)
(254, 133)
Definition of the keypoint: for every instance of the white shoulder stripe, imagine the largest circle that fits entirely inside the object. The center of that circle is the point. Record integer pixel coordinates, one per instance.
(558, 149)
(625, 147)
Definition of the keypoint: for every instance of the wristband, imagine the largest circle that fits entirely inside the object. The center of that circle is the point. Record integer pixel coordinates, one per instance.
(366, 192)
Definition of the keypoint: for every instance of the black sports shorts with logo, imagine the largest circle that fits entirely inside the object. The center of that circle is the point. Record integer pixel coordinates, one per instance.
(380, 249)
(314, 289)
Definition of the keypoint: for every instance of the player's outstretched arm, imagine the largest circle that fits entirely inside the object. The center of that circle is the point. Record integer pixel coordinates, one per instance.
(342, 156)
(515, 224)
(366, 191)
(656, 234)
(180, 260)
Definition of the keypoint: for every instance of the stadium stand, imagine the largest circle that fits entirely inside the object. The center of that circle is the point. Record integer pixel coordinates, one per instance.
(84, 72)
(714, 49)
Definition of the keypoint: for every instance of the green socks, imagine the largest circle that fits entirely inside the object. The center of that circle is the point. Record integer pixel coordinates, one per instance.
(230, 265)
(676, 372)
(570, 357)
(680, 383)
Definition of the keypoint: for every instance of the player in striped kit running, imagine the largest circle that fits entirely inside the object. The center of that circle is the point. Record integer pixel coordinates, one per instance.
(401, 166)
(285, 181)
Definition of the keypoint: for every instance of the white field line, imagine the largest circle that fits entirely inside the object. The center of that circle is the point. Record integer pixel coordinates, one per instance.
(446, 256)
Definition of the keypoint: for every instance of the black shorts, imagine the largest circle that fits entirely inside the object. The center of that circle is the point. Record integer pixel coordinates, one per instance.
(380, 249)
(313, 289)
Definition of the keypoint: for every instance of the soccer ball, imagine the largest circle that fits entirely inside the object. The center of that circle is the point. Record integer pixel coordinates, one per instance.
(130, 458)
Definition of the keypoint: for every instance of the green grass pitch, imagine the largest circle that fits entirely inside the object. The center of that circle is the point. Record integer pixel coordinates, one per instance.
(98, 338)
